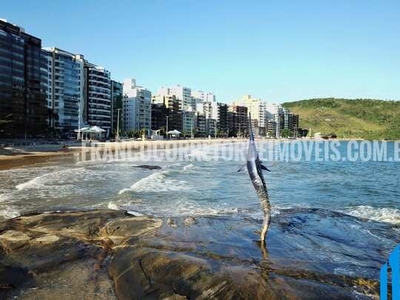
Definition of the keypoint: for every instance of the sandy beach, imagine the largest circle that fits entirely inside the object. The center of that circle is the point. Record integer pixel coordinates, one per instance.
(12, 157)
(18, 156)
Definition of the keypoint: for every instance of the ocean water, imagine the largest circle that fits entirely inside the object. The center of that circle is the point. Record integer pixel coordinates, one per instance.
(339, 201)
(368, 190)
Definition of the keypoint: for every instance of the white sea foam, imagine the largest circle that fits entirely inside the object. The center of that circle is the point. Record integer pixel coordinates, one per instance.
(188, 167)
(31, 184)
(135, 213)
(173, 165)
(4, 197)
(49, 178)
(259, 215)
(387, 215)
(9, 212)
(124, 191)
(193, 209)
(112, 205)
(157, 182)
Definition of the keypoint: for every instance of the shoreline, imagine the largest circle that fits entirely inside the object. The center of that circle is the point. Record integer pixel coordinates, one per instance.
(11, 157)
(27, 159)
(16, 157)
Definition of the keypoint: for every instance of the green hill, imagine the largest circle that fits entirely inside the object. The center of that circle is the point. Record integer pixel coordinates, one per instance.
(349, 118)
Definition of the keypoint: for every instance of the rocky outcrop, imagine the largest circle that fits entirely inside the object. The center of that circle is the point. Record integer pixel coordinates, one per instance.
(148, 167)
(107, 254)
(66, 254)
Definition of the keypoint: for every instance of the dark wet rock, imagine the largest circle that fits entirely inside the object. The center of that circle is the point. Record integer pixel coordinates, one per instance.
(157, 274)
(12, 278)
(148, 167)
(68, 254)
(120, 230)
(107, 254)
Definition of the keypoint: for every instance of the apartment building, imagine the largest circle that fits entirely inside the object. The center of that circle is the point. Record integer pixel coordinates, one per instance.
(136, 106)
(170, 105)
(22, 100)
(238, 120)
(257, 108)
(64, 86)
(97, 95)
(183, 94)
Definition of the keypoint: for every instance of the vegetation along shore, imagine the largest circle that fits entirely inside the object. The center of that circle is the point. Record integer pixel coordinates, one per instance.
(349, 118)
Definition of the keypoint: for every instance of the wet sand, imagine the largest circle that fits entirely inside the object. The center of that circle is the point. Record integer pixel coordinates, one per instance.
(21, 160)
(14, 157)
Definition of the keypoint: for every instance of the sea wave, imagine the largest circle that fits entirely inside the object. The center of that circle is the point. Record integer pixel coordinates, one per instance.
(385, 214)
(4, 197)
(158, 182)
(33, 183)
(188, 167)
(56, 177)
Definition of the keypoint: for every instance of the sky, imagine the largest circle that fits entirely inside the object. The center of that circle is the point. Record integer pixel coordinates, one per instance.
(271, 49)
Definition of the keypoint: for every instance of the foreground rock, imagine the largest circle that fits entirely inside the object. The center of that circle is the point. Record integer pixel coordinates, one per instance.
(66, 254)
(109, 254)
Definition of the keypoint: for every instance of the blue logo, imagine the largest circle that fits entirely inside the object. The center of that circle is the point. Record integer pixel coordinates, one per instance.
(392, 266)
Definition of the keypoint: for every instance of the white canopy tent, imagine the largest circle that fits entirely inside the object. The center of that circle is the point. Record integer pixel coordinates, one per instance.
(173, 133)
(93, 132)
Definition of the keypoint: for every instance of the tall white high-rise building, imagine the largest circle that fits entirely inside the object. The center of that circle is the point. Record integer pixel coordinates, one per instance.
(64, 85)
(78, 92)
(210, 109)
(271, 109)
(257, 108)
(136, 106)
(210, 97)
(210, 112)
(200, 97)
(183, 94)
